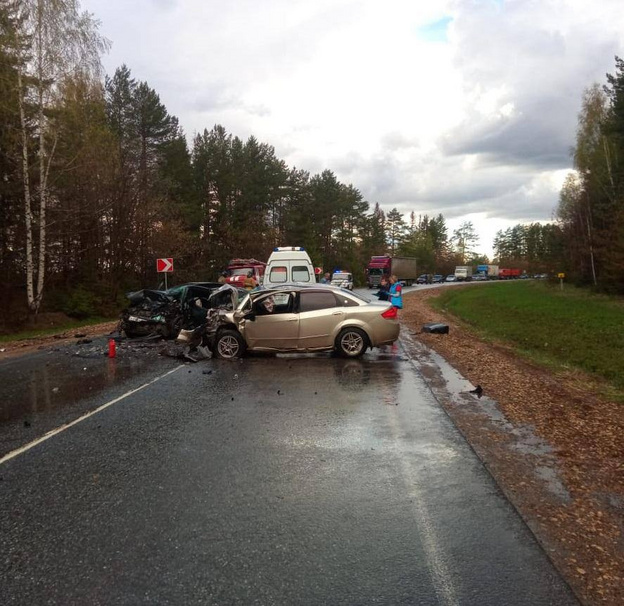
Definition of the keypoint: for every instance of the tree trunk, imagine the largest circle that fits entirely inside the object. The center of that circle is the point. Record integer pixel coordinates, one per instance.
(30, 269)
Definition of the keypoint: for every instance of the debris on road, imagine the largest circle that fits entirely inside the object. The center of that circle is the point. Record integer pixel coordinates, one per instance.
(436, 328)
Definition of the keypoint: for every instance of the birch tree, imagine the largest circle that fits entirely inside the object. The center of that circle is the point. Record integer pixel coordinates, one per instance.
(55, 41)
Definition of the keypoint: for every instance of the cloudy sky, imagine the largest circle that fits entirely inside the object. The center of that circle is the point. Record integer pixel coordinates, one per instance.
(462, 107)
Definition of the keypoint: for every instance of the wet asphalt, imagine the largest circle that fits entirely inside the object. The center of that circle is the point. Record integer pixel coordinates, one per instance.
(271, 480)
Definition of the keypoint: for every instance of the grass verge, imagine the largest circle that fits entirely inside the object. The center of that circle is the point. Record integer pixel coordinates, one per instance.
(564, 330)
(35, 333)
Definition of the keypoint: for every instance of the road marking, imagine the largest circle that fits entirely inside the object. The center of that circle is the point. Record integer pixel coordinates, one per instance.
(437, 561)
(53, 432)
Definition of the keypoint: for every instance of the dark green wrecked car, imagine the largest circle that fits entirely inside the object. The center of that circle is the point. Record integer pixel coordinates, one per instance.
(166, 312)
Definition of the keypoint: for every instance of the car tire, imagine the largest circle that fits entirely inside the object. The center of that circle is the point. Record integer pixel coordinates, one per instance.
(351, 342)
(132, 332)
(172, 329)
(229, 345)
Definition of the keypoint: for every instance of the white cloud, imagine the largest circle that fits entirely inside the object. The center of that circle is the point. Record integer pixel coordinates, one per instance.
(463, 107)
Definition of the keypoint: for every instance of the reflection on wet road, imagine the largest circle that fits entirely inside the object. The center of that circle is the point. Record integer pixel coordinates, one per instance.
(291, 479)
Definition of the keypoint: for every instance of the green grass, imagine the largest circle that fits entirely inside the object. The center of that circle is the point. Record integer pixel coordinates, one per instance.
(34, 333)
(565, 329)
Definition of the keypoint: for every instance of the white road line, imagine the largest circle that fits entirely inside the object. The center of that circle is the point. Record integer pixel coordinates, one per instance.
(53, 432)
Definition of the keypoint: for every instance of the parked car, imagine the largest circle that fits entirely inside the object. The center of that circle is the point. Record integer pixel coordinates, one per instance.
(342, 279)
(424, 279)
(451, 278)
(479, 278)
(437, 279)
(296, 318)
(166, 312)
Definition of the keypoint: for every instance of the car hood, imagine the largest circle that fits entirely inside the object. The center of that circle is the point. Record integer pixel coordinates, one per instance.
(156, 296)
(227, 295)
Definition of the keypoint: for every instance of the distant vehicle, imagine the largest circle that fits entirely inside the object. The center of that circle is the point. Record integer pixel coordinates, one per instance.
(489, 271)
(437, 279)
(463, 273)
(479, 278)
(525, 277)
(451, 278)
(508, 274)
(404, 268)
(238, 269)
(342, 279)
(302, 319)
(424, 279)
(289, 264)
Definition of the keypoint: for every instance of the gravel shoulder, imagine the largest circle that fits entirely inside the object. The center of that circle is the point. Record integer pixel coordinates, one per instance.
(554, 447)
(11, 349)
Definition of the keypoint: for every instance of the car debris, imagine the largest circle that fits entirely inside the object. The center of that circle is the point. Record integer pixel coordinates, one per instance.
(165, 312)
(436, 328)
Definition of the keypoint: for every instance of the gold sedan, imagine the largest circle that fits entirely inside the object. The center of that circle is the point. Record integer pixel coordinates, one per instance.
(305, 319)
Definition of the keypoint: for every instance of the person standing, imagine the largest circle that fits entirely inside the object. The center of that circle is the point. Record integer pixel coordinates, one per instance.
(326, 279)
(250, 282)
(396, 292)
(223, 277)
(384, 287)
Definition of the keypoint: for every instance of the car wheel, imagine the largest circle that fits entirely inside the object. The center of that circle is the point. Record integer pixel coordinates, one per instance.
(172, 329)
(228, 345)
(352, 342)
(133, 332)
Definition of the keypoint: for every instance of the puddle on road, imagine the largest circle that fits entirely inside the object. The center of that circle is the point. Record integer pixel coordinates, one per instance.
(48, 382)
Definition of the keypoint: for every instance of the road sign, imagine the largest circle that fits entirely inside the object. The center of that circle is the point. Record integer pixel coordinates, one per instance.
(164, 265)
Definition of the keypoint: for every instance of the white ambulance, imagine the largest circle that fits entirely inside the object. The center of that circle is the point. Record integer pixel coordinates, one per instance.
(287, 265)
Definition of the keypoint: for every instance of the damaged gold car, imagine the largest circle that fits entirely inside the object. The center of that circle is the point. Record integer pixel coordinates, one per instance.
(302, 319)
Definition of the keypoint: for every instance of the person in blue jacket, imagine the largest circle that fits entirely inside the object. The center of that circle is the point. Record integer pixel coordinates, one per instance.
(396, 292)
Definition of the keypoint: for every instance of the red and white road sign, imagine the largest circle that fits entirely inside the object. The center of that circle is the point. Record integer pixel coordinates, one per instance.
(164, 265)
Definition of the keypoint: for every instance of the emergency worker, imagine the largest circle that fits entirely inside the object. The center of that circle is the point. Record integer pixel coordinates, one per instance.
(396, 292)
(250, 282)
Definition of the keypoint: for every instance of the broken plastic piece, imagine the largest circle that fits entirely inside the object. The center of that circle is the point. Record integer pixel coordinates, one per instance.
(436, 327)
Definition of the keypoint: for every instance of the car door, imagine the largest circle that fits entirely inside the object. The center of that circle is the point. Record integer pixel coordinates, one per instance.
(319, 315)
(278, 329)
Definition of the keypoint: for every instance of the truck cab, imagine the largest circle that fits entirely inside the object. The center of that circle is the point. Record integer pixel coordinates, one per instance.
(377, 267)
(238, 269)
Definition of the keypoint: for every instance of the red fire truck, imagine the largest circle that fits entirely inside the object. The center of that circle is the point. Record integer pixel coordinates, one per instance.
(238, 269)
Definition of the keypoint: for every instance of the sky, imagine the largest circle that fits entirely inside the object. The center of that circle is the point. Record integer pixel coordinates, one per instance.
(467, 108)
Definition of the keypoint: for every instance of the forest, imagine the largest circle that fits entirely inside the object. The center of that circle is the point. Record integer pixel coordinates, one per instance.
(98, 180)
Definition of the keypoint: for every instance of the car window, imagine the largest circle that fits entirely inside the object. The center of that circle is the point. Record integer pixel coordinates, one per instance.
(347, 302)
(273, 304)
(300, 273)
(312, 301)
(279, 273)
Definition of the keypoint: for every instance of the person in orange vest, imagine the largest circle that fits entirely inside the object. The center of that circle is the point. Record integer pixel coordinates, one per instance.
(250, 282)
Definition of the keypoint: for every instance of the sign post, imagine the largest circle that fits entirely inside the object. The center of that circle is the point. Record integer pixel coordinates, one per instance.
(561, 276)
(164, 266)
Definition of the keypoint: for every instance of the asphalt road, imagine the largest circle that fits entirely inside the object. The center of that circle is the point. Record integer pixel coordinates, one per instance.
(272, 480)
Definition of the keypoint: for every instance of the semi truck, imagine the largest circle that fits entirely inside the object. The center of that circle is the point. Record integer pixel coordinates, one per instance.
(508, 274)
(463, 273)
(489, 271)
(404, 268)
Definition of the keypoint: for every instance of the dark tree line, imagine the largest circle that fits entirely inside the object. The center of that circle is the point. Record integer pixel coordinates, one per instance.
(591, 207)
(97, 181)
(587, 239)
